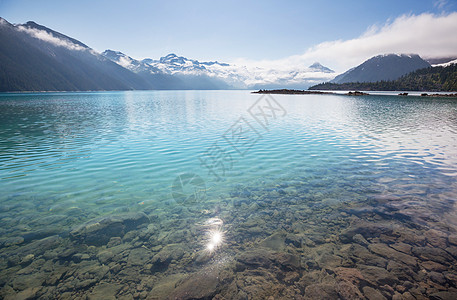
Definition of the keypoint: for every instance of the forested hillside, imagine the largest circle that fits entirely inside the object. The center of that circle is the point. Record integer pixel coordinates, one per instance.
(434, 79)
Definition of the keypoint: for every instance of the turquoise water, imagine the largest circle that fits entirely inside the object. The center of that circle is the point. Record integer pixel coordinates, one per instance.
(298, 164)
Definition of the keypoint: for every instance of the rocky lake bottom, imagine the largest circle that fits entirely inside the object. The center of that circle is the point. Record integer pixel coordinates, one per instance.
(292, 241)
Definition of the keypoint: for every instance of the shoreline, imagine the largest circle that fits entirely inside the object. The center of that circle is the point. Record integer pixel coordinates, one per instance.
(349, 93)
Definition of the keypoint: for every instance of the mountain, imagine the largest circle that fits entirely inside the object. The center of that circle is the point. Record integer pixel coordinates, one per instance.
(36, 58)
(446, 64)
(383, 67)
(442, 78)
(172, 71)
(441, 60)
(320, 68)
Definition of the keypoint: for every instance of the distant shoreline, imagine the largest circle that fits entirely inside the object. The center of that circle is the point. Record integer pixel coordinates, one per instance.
(350, 93)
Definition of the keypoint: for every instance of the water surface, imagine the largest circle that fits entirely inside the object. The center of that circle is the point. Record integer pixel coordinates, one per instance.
(259, 196)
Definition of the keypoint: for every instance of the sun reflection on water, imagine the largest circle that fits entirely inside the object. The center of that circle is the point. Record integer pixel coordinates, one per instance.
(215, 235)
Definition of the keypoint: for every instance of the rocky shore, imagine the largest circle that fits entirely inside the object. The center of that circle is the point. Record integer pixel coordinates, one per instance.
(351, 93)
(306, 92)
(440, 95)
(291, 92)
(289, 241)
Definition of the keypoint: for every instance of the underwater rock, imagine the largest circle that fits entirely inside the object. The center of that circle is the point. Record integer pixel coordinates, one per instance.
(402, 271)
(292, 239)
(372, 294)
(288, 260)
(12, 241)
(402, 247)
(203, 256)
(113, 242)
(366, 229)
(452, 251)
(433, 266)
(275, 242)
(359, 239)
(452, 239)
(29, 293)
(437, 277)
(105, 256)
(362, 255)
(168, 253)
(41, 233)
(39, 247)
(23, 282)
(348, 291)
(104, 290)
(99, 231)
(165, 286)
(377, 276)
(433, 254)
(328, 260)
(202, 285)
(436, 238)
(255, 258)
(27, 259)
(386, 251)
(139, 257)
(445, 295)
(321, 291)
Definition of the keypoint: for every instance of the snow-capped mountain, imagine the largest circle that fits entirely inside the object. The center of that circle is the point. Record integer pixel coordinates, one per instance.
(235, 76)
(446, 64)
(130, 63)
(317, 67)
(36, 58)
(189, 72)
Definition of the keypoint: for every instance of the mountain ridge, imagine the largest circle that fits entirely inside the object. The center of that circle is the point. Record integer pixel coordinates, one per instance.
(431, 79)
(34, 58)
(382, 67)
(37, 58)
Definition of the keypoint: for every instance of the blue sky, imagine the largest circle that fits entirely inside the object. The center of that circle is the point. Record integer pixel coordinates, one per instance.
(210, 30)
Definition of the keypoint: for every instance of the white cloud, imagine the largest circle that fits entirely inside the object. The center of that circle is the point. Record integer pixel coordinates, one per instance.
(50, 38)
(428, 35)
(440, 4)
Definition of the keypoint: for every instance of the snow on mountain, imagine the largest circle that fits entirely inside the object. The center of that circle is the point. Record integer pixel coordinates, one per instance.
(236, 76)
(446, 64)
(320, 68)
(129, 62)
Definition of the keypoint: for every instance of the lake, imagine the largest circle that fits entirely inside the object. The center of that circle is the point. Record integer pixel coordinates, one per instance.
(227, 195)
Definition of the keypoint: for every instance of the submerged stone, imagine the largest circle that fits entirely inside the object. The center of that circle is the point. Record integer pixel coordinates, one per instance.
(321, 291)
(139, 257)
(202, 285)
(255, 258)
(100, 230)
(104, 290)
(348, 291)
(386, 251)
(445, 295)
(168, 253)
(372, 294)
(275, 242)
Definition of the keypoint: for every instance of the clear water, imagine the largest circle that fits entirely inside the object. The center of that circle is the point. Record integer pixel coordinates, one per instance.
(69, 158)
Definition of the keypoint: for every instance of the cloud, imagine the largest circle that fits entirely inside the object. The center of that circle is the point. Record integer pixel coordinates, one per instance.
(440, 4)
(50, 38)
(427, 34)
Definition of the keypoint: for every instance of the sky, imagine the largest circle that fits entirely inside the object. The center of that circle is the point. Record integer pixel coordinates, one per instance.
(275, 33)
